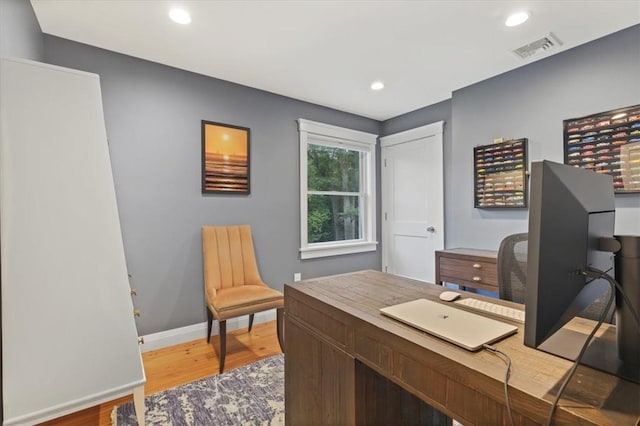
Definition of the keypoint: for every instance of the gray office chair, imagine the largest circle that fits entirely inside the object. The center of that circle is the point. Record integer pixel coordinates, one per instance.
(512, 267)
(512, 277)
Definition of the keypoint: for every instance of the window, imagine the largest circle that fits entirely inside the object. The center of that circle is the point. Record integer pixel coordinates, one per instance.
(337, 190)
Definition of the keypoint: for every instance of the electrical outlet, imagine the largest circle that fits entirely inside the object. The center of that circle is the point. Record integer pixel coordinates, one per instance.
(297, 277)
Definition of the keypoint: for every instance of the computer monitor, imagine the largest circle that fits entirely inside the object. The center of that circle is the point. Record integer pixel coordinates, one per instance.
(572, 212)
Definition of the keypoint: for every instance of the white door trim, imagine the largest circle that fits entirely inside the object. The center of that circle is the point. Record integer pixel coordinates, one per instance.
(430, 130)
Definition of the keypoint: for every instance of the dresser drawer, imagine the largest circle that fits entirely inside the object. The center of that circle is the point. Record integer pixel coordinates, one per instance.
(468, 268)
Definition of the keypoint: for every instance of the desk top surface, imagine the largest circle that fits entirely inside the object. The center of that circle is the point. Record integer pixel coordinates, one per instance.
(535, 375)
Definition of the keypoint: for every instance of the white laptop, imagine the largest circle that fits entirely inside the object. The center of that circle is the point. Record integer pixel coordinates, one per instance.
(463, 328)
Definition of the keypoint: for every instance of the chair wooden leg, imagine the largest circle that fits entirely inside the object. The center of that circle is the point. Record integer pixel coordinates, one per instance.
(223, 343)
(250, 322)
(209, 324)
(280, 327)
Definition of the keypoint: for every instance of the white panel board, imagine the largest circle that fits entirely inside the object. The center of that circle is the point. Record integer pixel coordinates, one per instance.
(68, 333)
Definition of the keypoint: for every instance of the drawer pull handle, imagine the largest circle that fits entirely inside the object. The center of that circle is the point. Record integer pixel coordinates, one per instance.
(477, 279)
(477, 266)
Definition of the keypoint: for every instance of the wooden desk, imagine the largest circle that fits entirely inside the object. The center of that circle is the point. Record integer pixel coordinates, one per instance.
(468, 268)
(347, 364)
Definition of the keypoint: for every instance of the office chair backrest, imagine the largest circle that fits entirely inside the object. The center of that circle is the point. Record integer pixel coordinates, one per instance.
(512, 277)
(512, 267)
(229, 258)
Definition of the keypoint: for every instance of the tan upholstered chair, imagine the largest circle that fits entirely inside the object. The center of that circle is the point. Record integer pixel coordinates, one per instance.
(232, 283)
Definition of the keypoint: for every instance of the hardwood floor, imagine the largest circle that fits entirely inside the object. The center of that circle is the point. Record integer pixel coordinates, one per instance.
(176, 365)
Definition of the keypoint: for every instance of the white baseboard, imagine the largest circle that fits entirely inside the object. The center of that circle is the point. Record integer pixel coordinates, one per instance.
(176, 336)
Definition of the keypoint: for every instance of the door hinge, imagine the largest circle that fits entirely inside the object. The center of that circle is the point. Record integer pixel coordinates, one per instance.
(386, 269)
(385, 215)
(385, 162)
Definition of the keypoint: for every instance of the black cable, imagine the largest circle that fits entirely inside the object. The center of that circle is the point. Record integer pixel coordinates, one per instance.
(603, 315)
(596, 274)
(507, 360)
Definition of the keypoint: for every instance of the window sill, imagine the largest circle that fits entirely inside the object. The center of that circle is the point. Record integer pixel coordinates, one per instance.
(337, 249)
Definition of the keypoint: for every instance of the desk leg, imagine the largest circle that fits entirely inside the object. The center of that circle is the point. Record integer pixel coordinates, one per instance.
(138, 403)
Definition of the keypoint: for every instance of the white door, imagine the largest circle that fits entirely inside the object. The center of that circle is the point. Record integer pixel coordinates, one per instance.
(412, 201)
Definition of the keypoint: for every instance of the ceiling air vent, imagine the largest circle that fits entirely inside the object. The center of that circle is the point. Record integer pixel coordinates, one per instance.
(536, 47)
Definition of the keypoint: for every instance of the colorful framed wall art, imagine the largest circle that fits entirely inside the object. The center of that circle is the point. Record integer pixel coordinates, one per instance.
(607, 142)
(500, 174)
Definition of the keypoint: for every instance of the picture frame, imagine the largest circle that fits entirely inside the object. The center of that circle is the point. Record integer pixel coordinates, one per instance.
(225, 158)
(500, 175)
(607, 142)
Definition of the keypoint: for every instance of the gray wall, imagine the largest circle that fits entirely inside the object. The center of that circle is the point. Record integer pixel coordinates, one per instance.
(152, 115)
(530, 102)
(20, 35)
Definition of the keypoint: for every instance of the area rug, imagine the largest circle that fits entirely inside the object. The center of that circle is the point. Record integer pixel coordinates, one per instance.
(249, 395)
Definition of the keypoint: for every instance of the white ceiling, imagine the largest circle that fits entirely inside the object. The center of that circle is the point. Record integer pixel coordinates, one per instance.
(328, 52)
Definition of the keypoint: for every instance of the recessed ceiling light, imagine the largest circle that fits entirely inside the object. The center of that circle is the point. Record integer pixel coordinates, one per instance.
(180, 16)
(516, 19)
(377, 85)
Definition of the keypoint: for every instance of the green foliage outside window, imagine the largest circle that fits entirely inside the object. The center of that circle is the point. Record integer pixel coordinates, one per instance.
(330, 216)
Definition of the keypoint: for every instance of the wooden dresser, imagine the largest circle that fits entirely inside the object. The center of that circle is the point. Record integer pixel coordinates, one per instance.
(468, 268)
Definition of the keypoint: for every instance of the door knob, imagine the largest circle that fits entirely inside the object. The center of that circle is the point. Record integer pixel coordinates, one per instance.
(431, 229)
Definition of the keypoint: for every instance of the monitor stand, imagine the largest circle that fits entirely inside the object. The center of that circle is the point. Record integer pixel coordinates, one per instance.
(601, 353)
(617, 350)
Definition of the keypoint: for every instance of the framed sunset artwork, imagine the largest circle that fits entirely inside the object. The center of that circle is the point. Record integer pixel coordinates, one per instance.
(225, 158)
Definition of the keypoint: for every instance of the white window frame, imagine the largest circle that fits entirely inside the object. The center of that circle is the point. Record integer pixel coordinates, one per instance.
(315, 133)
